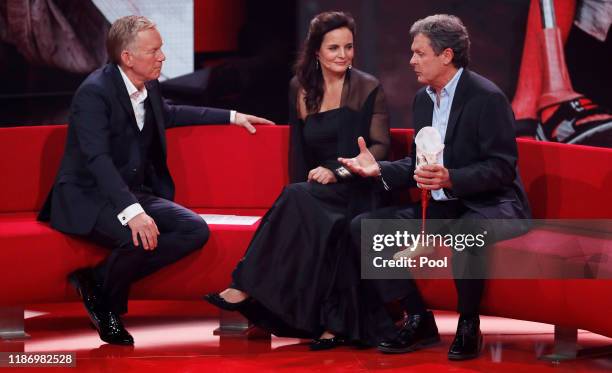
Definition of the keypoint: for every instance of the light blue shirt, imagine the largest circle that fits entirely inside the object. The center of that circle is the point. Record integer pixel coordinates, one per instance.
(440, 116)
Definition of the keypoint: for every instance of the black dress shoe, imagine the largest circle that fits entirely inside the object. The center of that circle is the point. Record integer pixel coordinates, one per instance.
(419, 331)
(90, 293)
(216, 300)
(320, 344)
(86, 286)
(107, 323)
(111, 330)
(468, 340)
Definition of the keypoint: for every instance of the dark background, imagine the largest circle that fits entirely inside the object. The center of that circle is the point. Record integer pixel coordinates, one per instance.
(244, 51)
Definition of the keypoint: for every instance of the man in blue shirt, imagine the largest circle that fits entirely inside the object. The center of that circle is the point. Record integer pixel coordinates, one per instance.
(475, 178)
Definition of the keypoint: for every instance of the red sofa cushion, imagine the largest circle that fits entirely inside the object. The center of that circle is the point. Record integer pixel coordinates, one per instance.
(36, 260)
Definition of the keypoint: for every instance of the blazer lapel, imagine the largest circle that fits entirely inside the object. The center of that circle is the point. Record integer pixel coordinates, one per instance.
(458, 101)
(423, 112)
(123, 96)
(155, 100)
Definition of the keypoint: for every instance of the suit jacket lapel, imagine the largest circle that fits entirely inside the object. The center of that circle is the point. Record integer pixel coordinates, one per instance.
(123, 96)
(458, 101)
(155, 100)
(423, 112)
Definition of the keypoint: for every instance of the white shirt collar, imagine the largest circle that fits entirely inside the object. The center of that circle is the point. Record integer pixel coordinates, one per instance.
(133, 92)
(449, 88)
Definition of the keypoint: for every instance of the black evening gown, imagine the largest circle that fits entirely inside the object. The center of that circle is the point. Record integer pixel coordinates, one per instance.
(300, 268)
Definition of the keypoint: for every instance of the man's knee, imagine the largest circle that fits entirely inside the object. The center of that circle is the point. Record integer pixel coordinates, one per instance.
(196, 236)
(193, 233)
(201, 235)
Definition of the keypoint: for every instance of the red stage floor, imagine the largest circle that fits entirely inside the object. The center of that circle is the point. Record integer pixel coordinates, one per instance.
(173, 337)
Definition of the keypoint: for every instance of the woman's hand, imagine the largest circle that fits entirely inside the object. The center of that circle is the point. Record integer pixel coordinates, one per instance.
(322, 175)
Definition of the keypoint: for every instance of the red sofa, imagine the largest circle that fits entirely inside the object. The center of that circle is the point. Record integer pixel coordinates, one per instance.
(222, 169)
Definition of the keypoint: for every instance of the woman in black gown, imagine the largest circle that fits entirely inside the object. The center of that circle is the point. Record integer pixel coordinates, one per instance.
(300, 275)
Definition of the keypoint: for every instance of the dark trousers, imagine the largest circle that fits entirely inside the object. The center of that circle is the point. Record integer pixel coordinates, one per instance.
(181, 232)
(469, 291)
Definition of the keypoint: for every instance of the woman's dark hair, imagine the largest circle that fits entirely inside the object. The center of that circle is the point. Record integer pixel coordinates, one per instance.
(306, 69)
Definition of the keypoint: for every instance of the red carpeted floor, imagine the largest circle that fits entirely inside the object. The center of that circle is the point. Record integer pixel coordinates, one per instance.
(174, 337)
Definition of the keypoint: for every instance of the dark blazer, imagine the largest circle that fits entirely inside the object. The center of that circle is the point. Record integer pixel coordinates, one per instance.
(480, 149)
(102, 150)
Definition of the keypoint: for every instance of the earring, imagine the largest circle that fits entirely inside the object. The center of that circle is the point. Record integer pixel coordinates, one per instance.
(350, 66)
(317, 63)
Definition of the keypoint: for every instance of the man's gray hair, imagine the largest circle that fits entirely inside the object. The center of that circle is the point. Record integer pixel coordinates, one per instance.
(445, 31)
(123, 33)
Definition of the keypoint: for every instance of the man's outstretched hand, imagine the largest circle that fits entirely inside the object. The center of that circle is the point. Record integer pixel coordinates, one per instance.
(364, 163)
(247, 121)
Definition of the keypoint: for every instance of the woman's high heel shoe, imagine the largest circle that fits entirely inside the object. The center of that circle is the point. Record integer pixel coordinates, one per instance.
(217, 300)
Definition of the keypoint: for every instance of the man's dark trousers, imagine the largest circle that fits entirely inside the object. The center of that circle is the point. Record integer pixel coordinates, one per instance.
(181, 232)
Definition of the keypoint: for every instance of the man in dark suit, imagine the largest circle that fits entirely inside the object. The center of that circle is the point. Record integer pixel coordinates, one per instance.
(476, 177)
(113, 186)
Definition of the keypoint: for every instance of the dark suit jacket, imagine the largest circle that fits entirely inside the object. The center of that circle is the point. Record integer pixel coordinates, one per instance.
(102, 150)
(480, 149)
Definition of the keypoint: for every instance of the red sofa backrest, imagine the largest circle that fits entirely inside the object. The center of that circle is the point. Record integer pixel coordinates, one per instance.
(225, 167)
(29, 160)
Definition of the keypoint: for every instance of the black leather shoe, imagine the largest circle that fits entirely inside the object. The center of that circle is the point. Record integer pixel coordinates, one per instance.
(320, 344)
(216, 300)
(419, 331)
(107, 323)
(90, 293)
(111, 330)
(85, 284)
(468, 340)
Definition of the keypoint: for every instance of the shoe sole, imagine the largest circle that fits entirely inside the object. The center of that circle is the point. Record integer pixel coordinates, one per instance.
(417, 346)
(118, 343)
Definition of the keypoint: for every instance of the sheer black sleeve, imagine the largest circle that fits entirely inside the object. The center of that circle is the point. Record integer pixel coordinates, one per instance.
(297, 163)
(374, 124)
(380, 139)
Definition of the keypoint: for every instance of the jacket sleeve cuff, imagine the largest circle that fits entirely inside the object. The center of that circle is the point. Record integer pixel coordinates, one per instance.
(382, 179)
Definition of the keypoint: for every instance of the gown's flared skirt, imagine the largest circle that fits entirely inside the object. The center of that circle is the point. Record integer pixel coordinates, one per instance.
(303, 272)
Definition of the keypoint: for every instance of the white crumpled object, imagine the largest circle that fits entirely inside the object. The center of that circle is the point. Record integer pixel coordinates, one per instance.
(428, 146)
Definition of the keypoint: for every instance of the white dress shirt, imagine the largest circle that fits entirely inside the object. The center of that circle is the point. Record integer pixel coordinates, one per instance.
(137, 98)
